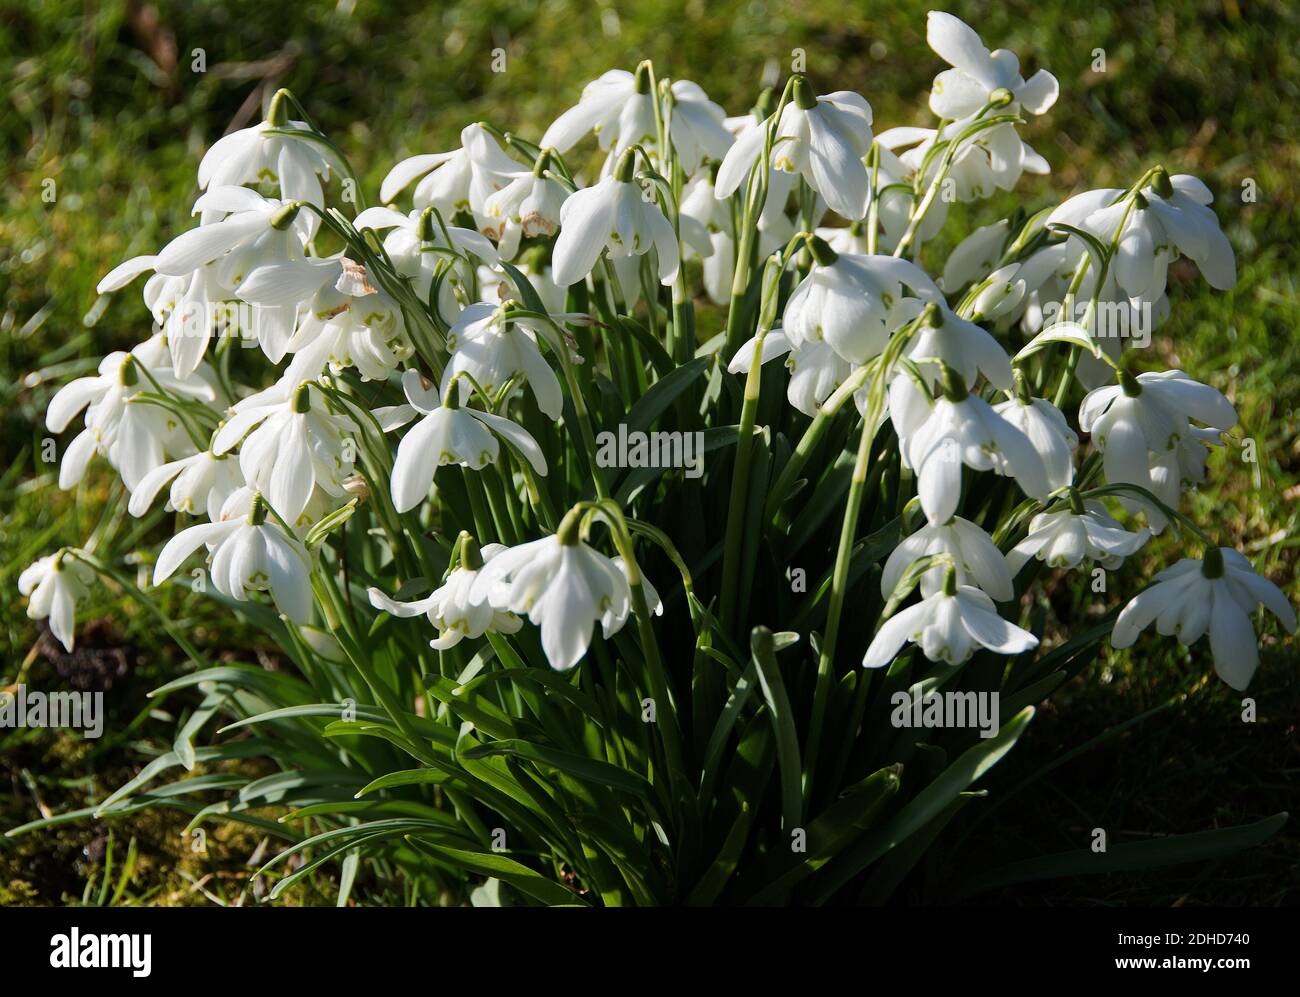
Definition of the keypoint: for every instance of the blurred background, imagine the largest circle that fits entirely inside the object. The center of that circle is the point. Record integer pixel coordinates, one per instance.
(108, 107)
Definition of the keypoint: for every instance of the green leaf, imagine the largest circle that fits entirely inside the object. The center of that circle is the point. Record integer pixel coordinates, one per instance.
(497, 866)
(787, 738)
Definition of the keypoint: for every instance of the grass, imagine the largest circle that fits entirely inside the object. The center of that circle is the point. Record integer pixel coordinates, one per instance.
(104, 122)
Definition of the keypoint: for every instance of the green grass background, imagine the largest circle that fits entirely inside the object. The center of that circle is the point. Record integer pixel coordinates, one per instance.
(102, 101)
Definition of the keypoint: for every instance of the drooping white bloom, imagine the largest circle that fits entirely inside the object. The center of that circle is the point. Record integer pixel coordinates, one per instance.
(696, 126)
(447, 435)
(1066, 538)
(297, 444)
(1048, 431)
(455, 181)
(527, 206)
(978, 73)
(816, 370)
(1217, 595)
(296, 166)
(618, 107)
(564, 588)
(54, 585)
(949, 625)
(419, 245)
(975, 558)
(342, 319)
(200, 483)
(247, 554)
(852, 302)
(493, 347)
(822, 139)
(1149, 414)
(1170, 215)
(452, 608)
(613, 215)
(136, 436)
(962, 428)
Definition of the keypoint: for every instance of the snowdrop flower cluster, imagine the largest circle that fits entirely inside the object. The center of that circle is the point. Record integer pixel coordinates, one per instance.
(529, 293)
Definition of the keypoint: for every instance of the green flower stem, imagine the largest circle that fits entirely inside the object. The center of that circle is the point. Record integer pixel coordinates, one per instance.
(808, 444)
(844, 555)
(665, 706)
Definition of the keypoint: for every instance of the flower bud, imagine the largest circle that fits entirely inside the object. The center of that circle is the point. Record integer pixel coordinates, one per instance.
(805, 97)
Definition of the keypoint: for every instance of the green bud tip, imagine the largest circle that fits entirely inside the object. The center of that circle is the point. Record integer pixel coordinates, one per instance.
(1076, 502)
(471, 558)
(1131, 385)
(1212, 563)
(805, 97)
(127, 373)
(277, 113)
(1024, 393)
(568, 533)
(284, 217)
(301, 401)
(931, 316)
(1161, 183)
(954, 385)
(1001, 97)
(626, 167)
(821, 251)
(427, 228)
(950, 581)
(765, 104)
(642, 78)
(1140, 202)
(257, 511)
(543, 162)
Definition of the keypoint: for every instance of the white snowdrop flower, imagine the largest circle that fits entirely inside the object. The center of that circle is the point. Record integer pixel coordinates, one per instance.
(975, 255)
(135, 436)
(1047, 430)
(418, 245)
(962, 428)
(215, 258)
(613, 619)
(897, 175)
(1148, 414)
(200, 483)
(993, 158)
(823, 139)
(343, 319)
(448, 434)
(615, 216)
(256, 156)
(816, 370)
(949, 625)
(451, 608)
(492, 346)
(495, 287)
(850, 302)
(1183, 467)
(1218, 595)
(296, 445)
(53, 586)
(618, 107)
(703, 215)
(455, 181)
(527, 206)
(975, 557)
(960, 344)
(999, 294)
(977, 73)
(564, 587)
(247, 554)
(1083, 531)
(696, 126)
(1168, 216)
